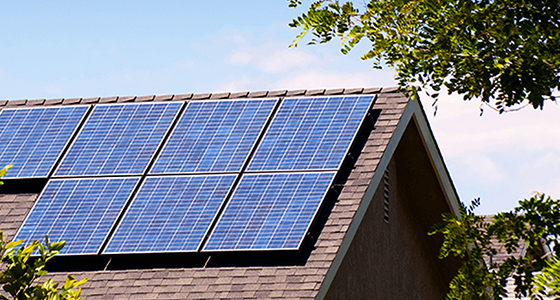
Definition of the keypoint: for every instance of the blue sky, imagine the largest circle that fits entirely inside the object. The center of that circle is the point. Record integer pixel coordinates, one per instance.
(119, 48)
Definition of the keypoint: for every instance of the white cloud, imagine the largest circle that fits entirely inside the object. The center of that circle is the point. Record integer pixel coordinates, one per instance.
(551, 188)
(183, 63)
(325, 78)
(51, 89)
(501, 157)
(284, 60)
(230, 35)
(240, 58)
(459, 129)
(235, 86)
(483, 169)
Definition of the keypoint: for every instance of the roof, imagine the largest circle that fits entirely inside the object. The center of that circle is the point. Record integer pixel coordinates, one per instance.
(304, 275)
(502, 255)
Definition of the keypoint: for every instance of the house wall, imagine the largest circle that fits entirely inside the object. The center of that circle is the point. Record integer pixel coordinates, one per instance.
(397, 259)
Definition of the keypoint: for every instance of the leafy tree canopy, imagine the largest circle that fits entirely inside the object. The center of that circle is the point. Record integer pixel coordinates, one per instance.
(505, 52)
(527, 229)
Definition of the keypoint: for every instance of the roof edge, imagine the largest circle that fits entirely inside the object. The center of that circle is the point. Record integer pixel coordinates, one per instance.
(413, 112)
(198, 96)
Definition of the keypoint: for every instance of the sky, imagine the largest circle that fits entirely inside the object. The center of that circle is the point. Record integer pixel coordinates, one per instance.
(67, 49)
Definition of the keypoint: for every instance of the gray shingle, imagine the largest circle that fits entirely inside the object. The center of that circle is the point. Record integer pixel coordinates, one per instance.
(334, 91)
(292, 93)
(277, 93)
(315, 92)
(257, 94)
(220, 96)
(239, 95)
(182, 97)
(163, 98)
(71, 101)
(35, 102)
(90, 100)
(108, 99)
(126, 99)
(145, 98)
(201, 96)
(353, 91)
(13, 103)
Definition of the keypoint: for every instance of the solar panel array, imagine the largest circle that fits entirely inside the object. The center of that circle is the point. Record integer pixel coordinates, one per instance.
(214, 136)
(170, 214)
(33, 138)
(270, 211)
(78, 211)
(118, 139)
(229, 175)
(310, 134)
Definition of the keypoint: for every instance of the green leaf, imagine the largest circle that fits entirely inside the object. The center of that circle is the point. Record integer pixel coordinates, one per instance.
(13, 244)
(501, 52)
(57, 246)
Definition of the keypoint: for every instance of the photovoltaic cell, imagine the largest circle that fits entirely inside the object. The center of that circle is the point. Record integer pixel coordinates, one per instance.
(170, 214)
(33, 138)
(270, 211)
(118, 139)
(78, 211)
(214, 136)
(310, 133)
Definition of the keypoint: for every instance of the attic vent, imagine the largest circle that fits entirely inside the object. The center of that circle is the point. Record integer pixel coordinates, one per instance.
(386, 196)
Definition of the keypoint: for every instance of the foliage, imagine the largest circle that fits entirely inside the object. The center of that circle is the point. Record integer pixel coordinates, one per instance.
(18, 279)
(3, 172)
(535, 222)
(22, 270)
(549, 279)
(505, 52)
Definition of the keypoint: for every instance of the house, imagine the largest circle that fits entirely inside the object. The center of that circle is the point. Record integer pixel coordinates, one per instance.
(368, 240)
(502, 255)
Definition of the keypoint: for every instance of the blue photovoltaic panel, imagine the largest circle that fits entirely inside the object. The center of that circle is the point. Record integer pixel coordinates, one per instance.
(78, 211)
(310, 133)
(170, 214)
(214, 136)
(32, 139)
(118, 139)
(270, 211)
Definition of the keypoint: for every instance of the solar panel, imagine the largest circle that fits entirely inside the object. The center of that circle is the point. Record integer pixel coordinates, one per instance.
(214, 136)
(118, 139)
(170, 214)
(270, 211)
(78, 211)
(310, 133)
(33, 138)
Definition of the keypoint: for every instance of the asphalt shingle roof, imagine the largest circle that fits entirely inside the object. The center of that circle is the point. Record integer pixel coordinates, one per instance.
(299, 279)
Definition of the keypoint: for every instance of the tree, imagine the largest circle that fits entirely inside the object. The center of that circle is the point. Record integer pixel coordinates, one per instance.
(504, 52)
(535, 222)
(22, 271)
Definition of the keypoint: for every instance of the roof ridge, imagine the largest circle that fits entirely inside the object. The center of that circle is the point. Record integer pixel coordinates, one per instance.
(199, 96)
